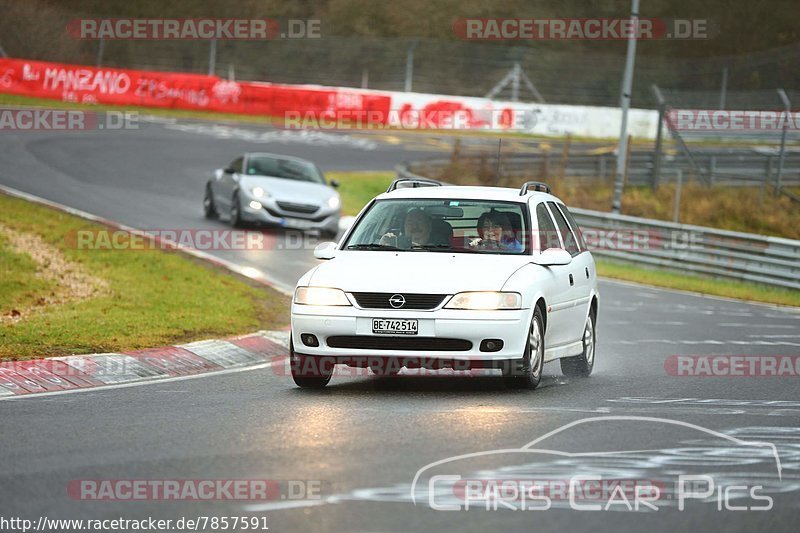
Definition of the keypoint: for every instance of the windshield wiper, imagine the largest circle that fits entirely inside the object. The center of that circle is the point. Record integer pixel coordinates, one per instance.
(372, 246)
(432, 247)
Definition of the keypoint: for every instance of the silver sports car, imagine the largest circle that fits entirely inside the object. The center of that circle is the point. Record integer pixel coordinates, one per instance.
(274, 190)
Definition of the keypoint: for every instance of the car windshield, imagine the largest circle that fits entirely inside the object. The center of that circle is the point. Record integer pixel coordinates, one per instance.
(443, 225)
(289, 169)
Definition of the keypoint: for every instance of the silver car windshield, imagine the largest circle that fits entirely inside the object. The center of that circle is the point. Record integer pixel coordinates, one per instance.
(436, 225)
(289, 169)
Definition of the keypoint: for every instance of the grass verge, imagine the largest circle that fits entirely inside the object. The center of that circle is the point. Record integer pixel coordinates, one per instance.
(149, 298)
(358, 188)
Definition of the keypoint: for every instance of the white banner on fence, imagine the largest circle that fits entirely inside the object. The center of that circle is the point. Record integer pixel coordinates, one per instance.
(494, 115)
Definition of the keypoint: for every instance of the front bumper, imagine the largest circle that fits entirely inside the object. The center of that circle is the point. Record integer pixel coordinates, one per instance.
(324, 219)
(511, 326)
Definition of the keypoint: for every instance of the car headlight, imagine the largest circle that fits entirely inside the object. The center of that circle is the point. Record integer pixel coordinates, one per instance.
(334, 202)
(485, 301)
(259, 192)
(320, 296)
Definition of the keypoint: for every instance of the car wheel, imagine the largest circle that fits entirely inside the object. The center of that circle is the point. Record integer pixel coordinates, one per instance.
(236, 211)
(309, 372)
(527, 372)
(208, 204)
(582, 365)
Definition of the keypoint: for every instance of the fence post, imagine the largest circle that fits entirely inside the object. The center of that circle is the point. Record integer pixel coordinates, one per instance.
(565, 157)
(409, 66)
(781, 158)
(676, 209)
(212, 57)
(601, 166)
(662, 108)
(712, 167)
(767, 180)
(101, 46)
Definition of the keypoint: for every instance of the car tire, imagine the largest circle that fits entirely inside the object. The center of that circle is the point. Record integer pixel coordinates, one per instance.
(209, 208)
(309, 372)
(580, 366)
(527, 372)
(236, 211)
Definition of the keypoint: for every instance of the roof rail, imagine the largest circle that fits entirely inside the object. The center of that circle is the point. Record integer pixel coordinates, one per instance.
(536, 186)
(415, 182)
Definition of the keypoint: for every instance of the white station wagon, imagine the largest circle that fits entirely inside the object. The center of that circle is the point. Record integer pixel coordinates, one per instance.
(458, 277)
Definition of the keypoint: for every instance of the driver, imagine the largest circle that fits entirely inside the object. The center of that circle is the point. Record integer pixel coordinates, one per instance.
(416, 231)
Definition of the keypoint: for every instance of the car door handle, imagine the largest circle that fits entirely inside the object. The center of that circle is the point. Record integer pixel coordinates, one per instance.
(587, 272)
(571, 280)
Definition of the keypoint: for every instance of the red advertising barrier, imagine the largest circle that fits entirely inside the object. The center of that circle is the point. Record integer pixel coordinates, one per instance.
(82, 84)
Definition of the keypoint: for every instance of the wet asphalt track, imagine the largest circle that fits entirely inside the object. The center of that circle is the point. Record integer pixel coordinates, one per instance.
(365, 438)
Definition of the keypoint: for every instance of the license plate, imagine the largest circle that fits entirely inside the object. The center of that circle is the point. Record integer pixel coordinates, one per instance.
(394, 326)
(297, 224)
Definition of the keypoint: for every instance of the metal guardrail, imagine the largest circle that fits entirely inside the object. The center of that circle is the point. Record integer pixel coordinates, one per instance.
(728, 254)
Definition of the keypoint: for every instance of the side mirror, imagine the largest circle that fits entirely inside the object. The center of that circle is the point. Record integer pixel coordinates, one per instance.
(325, 250)
(552, 257)
(335, 184)
(229, 170)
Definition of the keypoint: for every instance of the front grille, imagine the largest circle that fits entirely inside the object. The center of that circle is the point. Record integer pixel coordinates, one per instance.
(276, 214)
(305, 209)
(380, 300)
(416, 344)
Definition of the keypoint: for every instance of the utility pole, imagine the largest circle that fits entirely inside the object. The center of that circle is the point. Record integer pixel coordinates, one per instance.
(627, 84)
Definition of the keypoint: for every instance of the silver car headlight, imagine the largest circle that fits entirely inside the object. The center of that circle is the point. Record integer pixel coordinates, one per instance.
(258, 192)
(334, 202)
(485, 301)
(320, 296)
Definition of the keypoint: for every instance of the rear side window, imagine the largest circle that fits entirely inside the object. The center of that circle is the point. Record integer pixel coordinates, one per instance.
(570, 243)
(548, 235)
(575, 228)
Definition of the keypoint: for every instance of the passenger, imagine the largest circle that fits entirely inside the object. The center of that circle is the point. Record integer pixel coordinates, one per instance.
(495, 233)
(416, 231)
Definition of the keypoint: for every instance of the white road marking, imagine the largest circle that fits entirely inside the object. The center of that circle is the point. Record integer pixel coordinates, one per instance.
(758, 326)
(702, 342)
